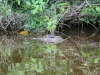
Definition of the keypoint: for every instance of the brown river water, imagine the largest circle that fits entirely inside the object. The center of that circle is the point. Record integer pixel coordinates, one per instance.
(77, 54)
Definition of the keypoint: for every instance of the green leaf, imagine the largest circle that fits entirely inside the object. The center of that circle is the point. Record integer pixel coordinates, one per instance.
(19, 2)
(27, 66)
(96, 60)
(49, 23)
(60, 53)
(28, 2)
(62, 4)
(34, 11)
(98, 9)
(6, 13)
(33, 1)
(33, 60)
(86, 11)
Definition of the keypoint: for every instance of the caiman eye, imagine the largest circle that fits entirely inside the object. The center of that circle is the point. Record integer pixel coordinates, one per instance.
(51, 36)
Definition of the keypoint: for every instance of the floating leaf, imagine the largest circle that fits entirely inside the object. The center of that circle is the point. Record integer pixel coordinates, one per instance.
(24, 33)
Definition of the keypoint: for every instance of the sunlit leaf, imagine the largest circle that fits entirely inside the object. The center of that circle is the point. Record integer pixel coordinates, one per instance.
(96, 60)
(49, 23)
(28, 2)
(98, 9)
(33, 1)
(62, 4)
(33, 60)
(19, 1)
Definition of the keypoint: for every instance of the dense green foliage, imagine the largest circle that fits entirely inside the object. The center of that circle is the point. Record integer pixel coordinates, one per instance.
(40, 13)
(93, 14)
(46, 14)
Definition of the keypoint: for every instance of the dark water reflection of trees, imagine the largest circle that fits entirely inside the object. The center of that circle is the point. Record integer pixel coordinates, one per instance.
(21, 55)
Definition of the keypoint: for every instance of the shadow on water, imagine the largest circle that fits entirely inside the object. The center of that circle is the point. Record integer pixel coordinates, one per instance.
(20, 55)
